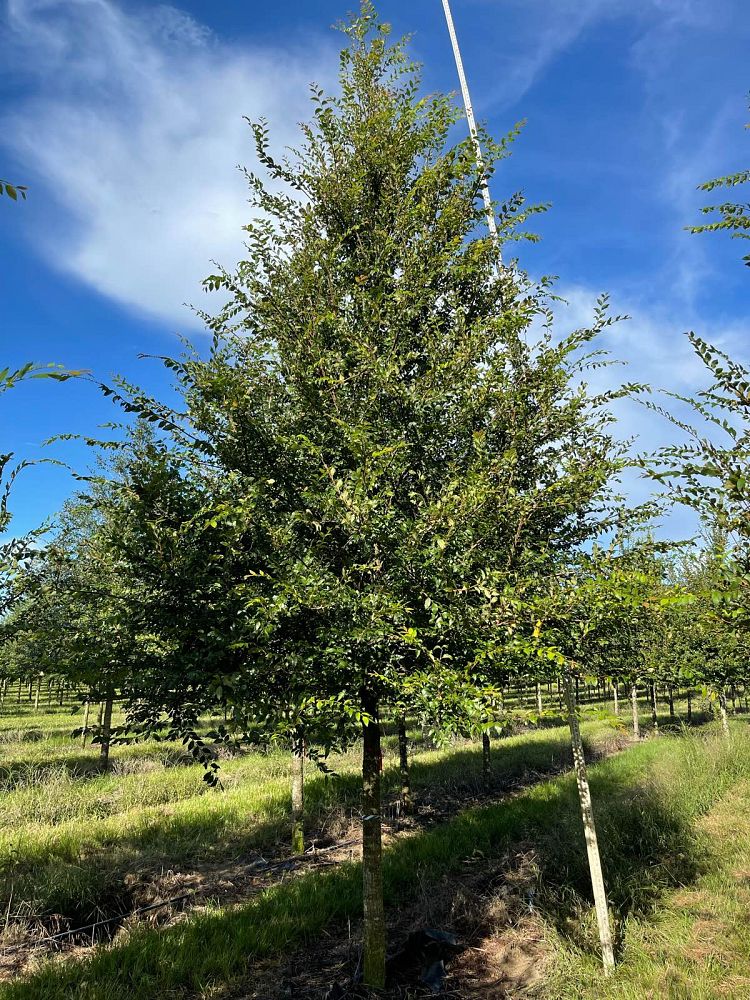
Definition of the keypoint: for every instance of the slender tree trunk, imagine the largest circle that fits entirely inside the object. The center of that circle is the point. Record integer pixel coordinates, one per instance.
(49, 691)
(690, 704)
(31, 690)
(539, 705)
(634, 703)
(723, 713)
(654, 716)
(298, 793)
(106, 729)
(589, 828)
(559, 696)
(578, 692)
(372, 851)
(20, 688)
(60, 693)
(670, 693)
(733, 695)
(616, 697)
(403, 759)
(36, 693)
(84, 734)
(486, 758)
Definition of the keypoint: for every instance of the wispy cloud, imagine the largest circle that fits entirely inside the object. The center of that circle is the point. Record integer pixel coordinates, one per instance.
(130, 125)
(655, 351)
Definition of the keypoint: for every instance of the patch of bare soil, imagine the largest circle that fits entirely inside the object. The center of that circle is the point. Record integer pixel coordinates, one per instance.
(162, 897)
(486, 909)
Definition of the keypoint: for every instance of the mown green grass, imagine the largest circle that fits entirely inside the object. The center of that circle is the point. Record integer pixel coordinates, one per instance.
(69, 836)
(647, 801)
(696, 945)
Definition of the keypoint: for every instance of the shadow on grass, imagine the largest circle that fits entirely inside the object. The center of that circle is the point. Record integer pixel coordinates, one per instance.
(205, 829)
(646, 801)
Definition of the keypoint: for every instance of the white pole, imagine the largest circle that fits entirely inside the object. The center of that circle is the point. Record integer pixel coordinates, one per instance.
(491, 224)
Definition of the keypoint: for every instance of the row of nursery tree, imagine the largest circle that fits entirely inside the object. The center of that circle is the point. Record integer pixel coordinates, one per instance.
(386, 490)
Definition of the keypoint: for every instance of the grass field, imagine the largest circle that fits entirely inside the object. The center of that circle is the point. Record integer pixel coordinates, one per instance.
(75, 843)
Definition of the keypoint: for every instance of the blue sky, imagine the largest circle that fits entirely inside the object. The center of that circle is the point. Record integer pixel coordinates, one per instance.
(126, 121)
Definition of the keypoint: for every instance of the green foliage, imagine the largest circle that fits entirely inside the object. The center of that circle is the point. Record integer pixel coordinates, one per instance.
(13, 190)
(733, 217)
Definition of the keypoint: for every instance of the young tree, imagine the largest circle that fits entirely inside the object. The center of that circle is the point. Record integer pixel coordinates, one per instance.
(378, 435)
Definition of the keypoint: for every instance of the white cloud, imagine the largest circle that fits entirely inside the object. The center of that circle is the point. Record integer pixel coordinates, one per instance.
(131, 127)
(533, 33)
(656, 351)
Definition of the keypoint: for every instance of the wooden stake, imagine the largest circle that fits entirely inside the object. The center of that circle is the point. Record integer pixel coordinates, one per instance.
(589, 828)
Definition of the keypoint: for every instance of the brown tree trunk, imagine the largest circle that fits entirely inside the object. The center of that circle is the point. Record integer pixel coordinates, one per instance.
(298, 793)
(616, 697)
(654, 716)
(106, 729)
(589, 827)
(486, 758)
(670, 692)
(403, 759)
(372, 852)
(634, 704)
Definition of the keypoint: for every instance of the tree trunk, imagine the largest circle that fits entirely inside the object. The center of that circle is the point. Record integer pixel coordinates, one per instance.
(690, 704)
(372, 852)
(616, 697)
(36, 694)
(85, 732)
(723, 713)
(298, 793)
(539, 705)
(403, 759)
(589, 827)
(670, 692)
(578, 692)
(486, 758)
(733, 695)
(634, 703)
(654, 716)
(106, 729)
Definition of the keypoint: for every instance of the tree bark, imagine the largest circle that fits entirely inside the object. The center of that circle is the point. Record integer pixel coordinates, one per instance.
(654, 716)
(403, 759)
(670, 692)
(589, 828)
(372, 852)
(690, 705)
(486, 758)
(85, 732)
(298, 793)
(36, 694)
(106, 729)
(539, 705)
(634, 703)
(723, 714)
(616, 697)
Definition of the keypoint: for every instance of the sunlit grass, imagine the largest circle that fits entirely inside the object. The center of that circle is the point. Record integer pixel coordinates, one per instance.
(648, 800)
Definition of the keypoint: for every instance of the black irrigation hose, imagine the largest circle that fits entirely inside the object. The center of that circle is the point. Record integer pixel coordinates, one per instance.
(97, 923)
(155, 906)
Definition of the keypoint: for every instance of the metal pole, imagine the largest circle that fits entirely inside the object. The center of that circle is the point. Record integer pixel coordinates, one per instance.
(491, 223)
